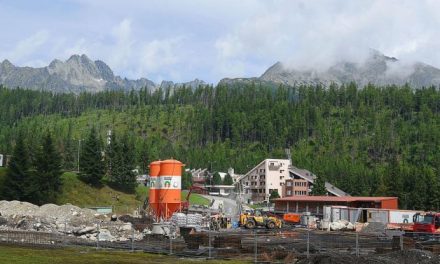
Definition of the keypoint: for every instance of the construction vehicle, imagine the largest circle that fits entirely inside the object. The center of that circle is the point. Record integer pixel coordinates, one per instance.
(185, 204)
(257, 218)
(427, 223)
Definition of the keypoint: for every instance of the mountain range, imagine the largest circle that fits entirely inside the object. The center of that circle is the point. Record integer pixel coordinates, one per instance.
(75, 75)
(79, 73)
(376, 69)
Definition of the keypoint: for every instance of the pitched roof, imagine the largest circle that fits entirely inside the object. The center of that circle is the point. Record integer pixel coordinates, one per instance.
(310, 177)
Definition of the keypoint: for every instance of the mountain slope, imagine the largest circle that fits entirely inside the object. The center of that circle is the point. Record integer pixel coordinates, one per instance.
(377, 69)
(75, 75)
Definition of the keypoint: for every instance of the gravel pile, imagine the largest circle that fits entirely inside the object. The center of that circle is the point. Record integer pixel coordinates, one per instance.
(374, 227)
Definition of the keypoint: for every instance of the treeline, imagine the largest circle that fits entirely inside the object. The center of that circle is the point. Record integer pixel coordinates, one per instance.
(35, 180)
(367, 141)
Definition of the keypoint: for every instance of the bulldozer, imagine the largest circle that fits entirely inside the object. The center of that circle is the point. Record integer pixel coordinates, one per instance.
(257, 218)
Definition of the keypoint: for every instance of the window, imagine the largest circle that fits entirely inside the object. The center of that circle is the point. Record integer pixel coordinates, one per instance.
(289, 192)
(271, 164)
(281, 177)
(281, 171)
(247, 183)
(289, 183)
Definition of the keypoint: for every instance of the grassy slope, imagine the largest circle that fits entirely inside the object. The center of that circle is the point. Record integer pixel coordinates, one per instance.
(22, 255)
(78, 193)
(195, 198)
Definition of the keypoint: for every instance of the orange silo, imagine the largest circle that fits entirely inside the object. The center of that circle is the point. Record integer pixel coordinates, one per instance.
(170, 187)
(153, 197)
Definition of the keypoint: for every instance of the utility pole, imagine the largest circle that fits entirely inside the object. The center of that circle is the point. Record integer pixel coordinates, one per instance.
(79, 148)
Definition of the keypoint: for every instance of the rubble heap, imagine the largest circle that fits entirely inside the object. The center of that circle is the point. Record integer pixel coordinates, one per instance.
(65, 219)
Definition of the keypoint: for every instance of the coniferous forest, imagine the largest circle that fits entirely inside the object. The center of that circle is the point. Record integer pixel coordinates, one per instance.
(365, 140)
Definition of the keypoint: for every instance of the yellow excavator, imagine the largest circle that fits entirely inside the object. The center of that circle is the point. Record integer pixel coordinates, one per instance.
(258, 218)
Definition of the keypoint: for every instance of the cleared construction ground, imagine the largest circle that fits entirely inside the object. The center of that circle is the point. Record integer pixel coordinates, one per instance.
(295, 246)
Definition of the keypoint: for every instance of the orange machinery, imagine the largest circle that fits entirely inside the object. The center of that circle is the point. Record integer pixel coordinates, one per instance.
(170, 176)
(292, 218)
(153, 197)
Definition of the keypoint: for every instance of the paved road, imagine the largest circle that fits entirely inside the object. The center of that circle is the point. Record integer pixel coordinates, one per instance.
(229, 205)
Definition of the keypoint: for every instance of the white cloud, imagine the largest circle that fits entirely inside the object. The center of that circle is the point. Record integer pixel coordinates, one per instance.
(183, 40)
(158, 54)
(28, 46)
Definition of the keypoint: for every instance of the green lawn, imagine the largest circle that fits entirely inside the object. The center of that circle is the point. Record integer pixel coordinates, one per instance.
(24, 255)
(195, 198)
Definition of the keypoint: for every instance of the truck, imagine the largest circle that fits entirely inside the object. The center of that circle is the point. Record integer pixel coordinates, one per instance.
(428, 222)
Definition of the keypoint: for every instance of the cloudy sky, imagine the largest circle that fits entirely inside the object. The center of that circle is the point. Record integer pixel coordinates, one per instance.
(182, 40)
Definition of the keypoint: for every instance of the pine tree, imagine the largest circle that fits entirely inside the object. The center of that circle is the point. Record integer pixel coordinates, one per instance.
(112, 150)
(127, 155)
(274, 195)
(319, 187)
(47, 180)
(228, 180)
(216, 179)
(91, 164)
(69, 152)
(16, 184)
(186, 180)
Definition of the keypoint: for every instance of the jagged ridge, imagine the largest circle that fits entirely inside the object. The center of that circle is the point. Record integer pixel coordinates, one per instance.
(75, 75)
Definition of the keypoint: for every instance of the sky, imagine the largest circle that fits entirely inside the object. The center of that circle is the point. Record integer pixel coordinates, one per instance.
(210, 40)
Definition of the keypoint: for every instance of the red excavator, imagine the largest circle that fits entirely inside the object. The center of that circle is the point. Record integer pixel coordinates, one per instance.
(427, 223)
(185, 204)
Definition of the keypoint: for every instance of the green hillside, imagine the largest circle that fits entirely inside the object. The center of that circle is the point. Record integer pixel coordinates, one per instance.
(80, 194)
(365, 140)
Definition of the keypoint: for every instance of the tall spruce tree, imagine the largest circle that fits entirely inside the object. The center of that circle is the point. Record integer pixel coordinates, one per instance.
(186, 180)
(228, 179)
(91, 163)
(112, 150)
(17, 181)
(216, 179)
(319, 187)
(47, 179)
(127, 156)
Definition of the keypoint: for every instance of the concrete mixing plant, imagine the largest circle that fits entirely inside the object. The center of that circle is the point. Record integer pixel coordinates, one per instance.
(165, 188)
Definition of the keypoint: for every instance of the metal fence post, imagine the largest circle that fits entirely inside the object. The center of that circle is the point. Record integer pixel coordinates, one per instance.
(255, 247)
(65, 233)
(209, 242)
(357, 244)
(132, 238)
(97, 236)
(308, 243)
(171, 245)
(401, 242)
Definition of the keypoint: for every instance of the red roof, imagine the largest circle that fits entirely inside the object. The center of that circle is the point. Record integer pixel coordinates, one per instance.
(334, 199)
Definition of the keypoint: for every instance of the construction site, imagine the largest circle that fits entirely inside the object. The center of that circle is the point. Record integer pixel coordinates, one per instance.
(294, 230)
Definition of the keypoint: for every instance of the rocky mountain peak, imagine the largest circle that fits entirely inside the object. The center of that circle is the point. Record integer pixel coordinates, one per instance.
(377, 69)
(7, 64)
(76, 74)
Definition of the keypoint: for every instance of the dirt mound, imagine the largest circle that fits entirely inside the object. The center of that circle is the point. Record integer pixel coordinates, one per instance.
(397, 257)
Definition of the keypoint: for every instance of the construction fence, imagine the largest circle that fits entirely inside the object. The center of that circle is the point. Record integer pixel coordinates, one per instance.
(259, 246)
